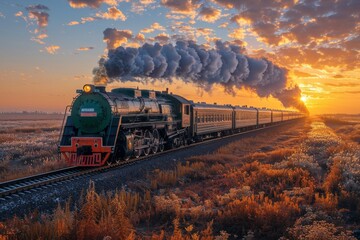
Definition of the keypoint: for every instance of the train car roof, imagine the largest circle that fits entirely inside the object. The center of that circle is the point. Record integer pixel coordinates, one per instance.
(245, 108)
(264, 110)
(211, 106)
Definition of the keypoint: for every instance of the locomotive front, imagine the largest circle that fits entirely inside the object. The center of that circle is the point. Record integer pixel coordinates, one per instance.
(82, 140)
(91, 111)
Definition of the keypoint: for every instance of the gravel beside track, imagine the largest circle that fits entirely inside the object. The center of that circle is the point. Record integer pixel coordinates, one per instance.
(47, 197)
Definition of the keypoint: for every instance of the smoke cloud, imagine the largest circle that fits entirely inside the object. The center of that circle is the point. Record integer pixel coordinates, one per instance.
(225, 65)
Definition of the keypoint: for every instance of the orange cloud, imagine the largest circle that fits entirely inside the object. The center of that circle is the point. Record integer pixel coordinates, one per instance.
(162, 38)
(90, 3)
(115, 38)
(39, 13)
(184, 7)
(209, 14)
(112, 13)
(72, 23)
(52, 49)
(85, 48)
(237, 33)
(153, 27)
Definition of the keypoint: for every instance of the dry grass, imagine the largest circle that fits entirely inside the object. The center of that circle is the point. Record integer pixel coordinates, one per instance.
(299, 185)
(28, 144)
(347, 126)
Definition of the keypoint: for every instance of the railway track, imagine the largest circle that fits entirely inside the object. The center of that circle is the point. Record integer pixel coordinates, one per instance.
(19, 186)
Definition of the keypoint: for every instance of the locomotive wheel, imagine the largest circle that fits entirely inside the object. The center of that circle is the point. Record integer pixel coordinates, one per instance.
(137, 153)
(148, 141)
(156, 141)
(161, 144)
(137, 144)
(126, 158)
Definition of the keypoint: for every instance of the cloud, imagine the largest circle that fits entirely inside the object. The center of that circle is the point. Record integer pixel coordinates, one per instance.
(175, 16)
(90, 3)
(2, 15)
(37, 16)
(162, 38)
(140, 37)
(334, 57)
(237, 33)
(353, 43)
(85, 48)
(338, 76)
(204, 32)
(39, 13)
(224, 25)
(39, 41)
(140, 6)
(39, 38)
(115, 38)
(347, 92)
(209, 14)
(19, 14)
(320, 32)
(112, 13)
(157, 26)
(83, 21)
(37, 8)
(303, 74)
(52, 49)
(153, 27)
(342, 84)
(184, 7)
(72, 23)
(87, 19)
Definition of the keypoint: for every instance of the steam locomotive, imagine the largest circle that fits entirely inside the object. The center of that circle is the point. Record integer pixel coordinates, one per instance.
(105, 127)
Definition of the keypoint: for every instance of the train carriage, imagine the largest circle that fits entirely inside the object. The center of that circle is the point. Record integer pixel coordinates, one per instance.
(277, 116)
(245, 117)
(264, 116)
(211, 119)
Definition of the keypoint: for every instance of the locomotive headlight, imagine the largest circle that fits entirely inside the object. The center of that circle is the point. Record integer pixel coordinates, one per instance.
(88, 88)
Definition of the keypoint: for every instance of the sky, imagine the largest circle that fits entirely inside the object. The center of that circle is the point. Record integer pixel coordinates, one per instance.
(48, 49)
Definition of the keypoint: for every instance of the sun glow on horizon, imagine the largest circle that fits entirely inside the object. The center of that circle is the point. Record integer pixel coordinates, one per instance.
(304, 98)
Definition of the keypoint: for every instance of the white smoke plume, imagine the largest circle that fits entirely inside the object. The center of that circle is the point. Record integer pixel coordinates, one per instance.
(224, 65)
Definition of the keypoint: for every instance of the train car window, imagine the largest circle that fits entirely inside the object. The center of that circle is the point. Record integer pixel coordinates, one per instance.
(187, 110)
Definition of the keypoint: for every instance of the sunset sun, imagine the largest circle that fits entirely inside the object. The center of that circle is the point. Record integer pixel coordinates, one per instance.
(304, 98)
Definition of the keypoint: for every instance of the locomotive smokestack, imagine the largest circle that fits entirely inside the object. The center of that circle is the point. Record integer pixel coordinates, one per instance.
(101, 88)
